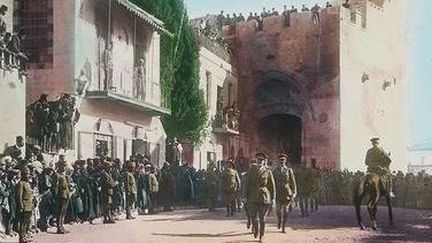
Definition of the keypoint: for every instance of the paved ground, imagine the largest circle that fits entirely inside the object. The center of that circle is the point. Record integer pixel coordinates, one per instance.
(329, 224)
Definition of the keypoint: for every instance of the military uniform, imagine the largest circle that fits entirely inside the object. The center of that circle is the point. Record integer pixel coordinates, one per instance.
(286, 189)
(260, 193)
(378, 161)
(316, 187)
(45, 184)
(62, 198)
(107, 193)
(24, 195)
(230, 183)
(131, 193)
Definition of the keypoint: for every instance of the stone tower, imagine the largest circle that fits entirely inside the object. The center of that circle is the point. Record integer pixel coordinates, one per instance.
(320, 90)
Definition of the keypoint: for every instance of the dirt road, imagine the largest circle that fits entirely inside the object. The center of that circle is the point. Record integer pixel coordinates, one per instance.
(329, 224)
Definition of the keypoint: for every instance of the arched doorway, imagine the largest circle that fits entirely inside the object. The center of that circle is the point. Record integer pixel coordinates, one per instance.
(281, 133)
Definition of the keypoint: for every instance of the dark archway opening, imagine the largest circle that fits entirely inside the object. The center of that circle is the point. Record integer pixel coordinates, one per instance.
(281, 133)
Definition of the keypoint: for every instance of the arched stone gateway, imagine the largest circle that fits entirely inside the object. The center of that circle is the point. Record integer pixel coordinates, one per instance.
(281, 133)
(274, 115)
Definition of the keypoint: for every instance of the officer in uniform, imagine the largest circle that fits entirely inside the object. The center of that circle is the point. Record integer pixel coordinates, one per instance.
(24, 195)
(286, 189)
(230, 183)
(131, 189)
(378, 161)
(107, 192)
(317, 186)
(62, 193)
(260, 193)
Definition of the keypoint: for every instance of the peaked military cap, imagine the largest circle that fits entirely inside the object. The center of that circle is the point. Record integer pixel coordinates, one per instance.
(261, 155)
(283, 155)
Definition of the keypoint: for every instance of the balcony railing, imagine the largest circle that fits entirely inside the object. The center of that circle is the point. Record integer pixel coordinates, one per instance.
(112, 95)
(135, 89)
(226, 121)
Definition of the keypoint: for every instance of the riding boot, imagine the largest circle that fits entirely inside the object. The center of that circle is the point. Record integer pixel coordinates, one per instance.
(279, 220)
(228, 208)
(285, 216)
(262, 229)
(128, 213)
(255, 227)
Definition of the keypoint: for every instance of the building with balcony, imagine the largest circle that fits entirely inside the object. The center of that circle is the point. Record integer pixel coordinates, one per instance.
(12, 82)
(105, 54)
(218, 80)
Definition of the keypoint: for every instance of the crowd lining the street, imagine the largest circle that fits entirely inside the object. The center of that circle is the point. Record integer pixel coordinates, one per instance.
(167, 188)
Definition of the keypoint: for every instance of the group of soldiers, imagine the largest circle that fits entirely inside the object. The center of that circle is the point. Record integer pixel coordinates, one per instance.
(11, 45)
(263, 186)
(36, 195)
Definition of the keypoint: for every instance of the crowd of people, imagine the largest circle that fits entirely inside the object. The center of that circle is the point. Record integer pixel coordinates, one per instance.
(227, 19)
(12, 55)
(36, 195)
(411, 190)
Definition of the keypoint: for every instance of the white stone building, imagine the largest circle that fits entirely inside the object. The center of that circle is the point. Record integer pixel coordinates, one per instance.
(110, 52)
(12, 92)
(218, 80)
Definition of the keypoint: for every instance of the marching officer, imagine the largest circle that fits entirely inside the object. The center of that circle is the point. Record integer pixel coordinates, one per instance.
(131, 189)
(24, 195)
(286, 189)
(107, 192)
(230, 184)
(260, 193)
(62, 193)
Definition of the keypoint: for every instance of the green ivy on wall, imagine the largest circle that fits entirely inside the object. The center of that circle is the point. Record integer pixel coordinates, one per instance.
(179, 71)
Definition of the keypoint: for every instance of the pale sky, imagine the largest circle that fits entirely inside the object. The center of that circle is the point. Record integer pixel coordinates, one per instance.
(419, 102)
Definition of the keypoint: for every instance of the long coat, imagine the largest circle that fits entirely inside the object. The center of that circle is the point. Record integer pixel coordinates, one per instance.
(230, 181)
(286, 185)
(260, 185)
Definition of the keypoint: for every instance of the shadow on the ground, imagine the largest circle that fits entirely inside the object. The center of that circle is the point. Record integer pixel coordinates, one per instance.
(419, 230)
(217, 235)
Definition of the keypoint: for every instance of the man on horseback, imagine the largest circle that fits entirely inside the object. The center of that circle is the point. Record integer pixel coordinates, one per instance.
(378, 161)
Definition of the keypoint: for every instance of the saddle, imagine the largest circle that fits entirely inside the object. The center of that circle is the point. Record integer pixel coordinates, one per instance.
(383, 174)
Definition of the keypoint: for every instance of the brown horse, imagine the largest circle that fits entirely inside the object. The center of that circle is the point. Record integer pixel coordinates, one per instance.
(371, 185)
